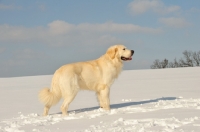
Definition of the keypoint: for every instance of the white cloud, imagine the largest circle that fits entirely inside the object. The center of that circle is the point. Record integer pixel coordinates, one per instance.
(2, 50)
(174, 22)
(23, 57)
(193, 9)
(60, 32)
(60, 27)
(141, 6)
(28, 54)
(111, 27)
(42, 7)
(9, 7)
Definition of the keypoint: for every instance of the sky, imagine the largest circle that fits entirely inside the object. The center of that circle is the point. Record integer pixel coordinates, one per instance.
(37, 37)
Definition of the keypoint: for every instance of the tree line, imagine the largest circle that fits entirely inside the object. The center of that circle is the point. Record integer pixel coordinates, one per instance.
(190, 59)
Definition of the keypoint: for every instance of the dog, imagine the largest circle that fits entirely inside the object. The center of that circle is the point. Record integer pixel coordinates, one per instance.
(96, 75)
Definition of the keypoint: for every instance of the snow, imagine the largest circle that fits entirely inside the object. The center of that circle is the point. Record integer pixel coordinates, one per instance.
(164, 100)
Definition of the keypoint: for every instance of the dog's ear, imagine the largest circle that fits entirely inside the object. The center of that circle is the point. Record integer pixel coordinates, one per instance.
(111, 52)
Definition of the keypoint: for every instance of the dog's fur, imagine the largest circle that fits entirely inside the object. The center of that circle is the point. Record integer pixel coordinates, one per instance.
(97, 75)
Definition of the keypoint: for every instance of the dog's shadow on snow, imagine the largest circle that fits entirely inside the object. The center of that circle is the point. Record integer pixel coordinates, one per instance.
(121, 105)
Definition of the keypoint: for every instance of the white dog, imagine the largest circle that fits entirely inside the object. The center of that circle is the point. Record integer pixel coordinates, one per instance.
(97, 75)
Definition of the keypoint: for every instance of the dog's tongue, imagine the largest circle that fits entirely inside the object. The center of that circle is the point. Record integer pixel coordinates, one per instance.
(130, 58)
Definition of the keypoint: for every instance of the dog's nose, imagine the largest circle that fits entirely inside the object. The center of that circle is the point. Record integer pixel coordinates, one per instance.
(132, 52)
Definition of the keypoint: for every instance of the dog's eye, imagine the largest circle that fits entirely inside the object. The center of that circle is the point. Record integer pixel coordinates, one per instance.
(123, 48)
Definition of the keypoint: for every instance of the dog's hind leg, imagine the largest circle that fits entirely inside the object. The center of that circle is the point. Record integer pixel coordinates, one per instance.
(67, 101)
(46, 110)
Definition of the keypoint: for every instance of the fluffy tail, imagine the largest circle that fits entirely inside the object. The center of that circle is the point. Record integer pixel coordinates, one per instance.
(49, 98)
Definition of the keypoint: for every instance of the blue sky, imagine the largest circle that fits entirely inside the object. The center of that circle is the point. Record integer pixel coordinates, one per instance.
(37, 37)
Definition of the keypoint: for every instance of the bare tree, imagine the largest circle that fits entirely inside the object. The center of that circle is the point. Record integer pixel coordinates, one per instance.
(189, 59)
(158, 65)
(196, 58)
(174, 64)
(164, 63)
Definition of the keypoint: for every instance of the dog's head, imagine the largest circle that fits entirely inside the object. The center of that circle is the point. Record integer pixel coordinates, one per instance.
(120, 52)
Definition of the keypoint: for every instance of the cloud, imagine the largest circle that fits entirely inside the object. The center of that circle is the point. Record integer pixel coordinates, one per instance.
(116, 28)
(60, 32)
(60, 27)
(23, 57)
(174, 22)
(9, 7)
(193, 10)
(138, 7)
(28, 54)
(2, 50)
(42, 7)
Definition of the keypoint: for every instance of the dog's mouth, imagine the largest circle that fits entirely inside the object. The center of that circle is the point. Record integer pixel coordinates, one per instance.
(126, 59)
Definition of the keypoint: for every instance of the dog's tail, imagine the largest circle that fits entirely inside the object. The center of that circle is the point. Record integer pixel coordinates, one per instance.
(49, 97)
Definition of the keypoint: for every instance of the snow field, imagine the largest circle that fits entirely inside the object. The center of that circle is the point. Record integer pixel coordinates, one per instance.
(165, 100)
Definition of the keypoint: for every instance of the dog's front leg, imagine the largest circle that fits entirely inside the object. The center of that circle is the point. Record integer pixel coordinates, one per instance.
(99, 99)
(105, 98)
